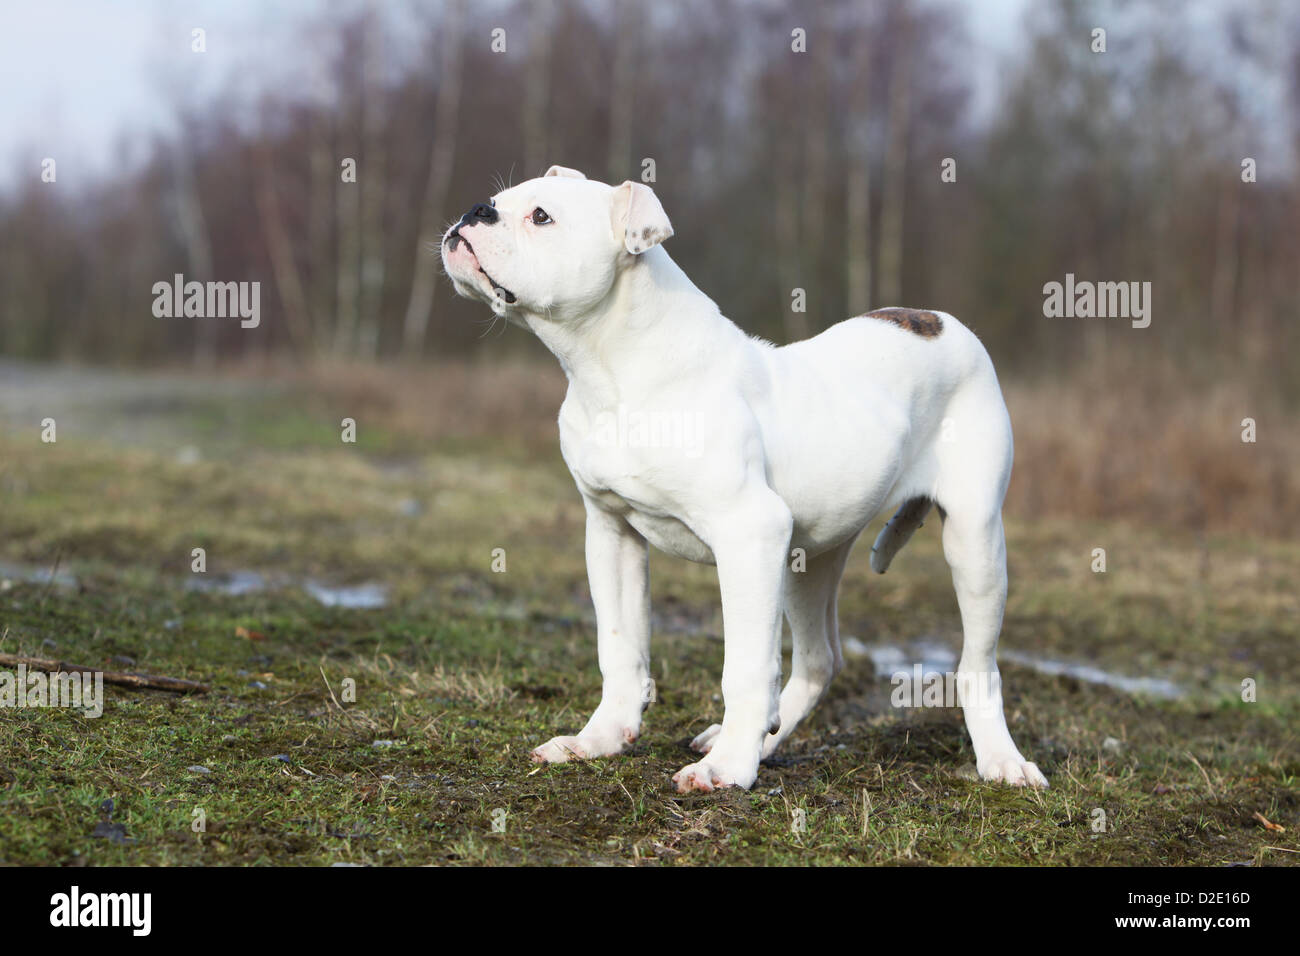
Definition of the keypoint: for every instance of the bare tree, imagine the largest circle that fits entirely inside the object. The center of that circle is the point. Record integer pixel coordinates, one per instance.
(347, 216)
(374, 185)
(857, 238)
(786, 223)
(816, 160)
(537, 87)
(198, 244)
(279, 246)
(323, 179)
(895, 179)
(627, 27)
(419, 308)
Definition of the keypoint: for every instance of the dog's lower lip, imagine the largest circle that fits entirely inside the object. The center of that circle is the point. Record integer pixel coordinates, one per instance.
(497, 287)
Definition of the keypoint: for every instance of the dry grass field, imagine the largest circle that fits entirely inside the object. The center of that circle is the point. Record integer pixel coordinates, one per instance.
(372, 562)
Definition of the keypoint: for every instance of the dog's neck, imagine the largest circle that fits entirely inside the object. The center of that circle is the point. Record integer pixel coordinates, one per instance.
(652, 308)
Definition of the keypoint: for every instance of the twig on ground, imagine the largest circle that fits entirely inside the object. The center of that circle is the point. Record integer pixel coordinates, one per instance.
(119, 678)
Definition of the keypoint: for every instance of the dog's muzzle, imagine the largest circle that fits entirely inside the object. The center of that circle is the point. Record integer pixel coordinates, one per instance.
(480, 214)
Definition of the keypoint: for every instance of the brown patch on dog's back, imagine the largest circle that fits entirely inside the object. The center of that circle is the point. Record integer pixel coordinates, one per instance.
(925, 324)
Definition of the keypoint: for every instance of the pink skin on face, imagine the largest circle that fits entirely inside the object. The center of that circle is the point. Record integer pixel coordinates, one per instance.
(464, 264)
(463, 257)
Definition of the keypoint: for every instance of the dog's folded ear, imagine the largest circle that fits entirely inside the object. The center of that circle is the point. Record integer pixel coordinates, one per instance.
(638, 217)
(565, 171)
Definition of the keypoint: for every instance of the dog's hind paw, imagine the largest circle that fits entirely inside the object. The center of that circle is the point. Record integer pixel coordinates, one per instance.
(1013, 769)
(704, 742)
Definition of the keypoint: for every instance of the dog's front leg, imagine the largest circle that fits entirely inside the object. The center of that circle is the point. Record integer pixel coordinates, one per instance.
(750, 544)
(619, 575)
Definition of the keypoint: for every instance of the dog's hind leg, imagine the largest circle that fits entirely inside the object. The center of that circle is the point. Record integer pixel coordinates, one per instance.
(973, 479)
(810, 607)
(809, 598)
(977, 555)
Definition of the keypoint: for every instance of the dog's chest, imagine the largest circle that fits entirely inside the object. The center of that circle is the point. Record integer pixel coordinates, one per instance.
(631, 482)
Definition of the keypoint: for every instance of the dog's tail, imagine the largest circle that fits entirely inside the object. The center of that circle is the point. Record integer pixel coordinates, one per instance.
(898, 530)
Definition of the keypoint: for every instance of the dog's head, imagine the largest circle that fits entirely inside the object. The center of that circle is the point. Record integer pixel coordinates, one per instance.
(552, 246)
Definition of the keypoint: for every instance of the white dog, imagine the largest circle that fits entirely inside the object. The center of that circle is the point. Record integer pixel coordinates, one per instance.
(790, 452)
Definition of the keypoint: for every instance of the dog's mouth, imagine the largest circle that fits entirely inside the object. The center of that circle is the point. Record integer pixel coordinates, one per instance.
(456, 239)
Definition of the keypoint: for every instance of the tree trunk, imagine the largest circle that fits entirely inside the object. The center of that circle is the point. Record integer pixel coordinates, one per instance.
(623, 91)
(419, 308)
(795, 324)
(537, 89)
(348, 218)
(374, 188)
(857, 240)
(816, 158)
(279, 246)
(1223, 286)
(198, 247)
(324, 179)
(895, 179)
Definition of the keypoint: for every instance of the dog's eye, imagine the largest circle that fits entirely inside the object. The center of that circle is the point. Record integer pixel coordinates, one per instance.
(539, 217)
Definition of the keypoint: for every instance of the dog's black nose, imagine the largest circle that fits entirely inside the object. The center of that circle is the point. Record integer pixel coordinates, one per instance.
(481, 212)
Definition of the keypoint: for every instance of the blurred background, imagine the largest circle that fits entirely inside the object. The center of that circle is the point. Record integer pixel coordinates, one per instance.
(817, 170)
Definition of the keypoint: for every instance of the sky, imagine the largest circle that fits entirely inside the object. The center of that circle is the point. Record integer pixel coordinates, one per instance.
(90, 82)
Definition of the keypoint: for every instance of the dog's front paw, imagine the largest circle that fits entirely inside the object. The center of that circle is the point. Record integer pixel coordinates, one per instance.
(583, 747)
(713, 774)
(704, 742)
(1013, 769)
(560, 750)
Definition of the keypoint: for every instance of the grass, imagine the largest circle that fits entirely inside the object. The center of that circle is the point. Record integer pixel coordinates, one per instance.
(465, 670)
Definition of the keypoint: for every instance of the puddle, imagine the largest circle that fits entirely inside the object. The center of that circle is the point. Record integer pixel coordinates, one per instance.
(32, 574)
(890, 660)
(240, 583)
(360, 596)
(236, 584)
(1153, 686)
